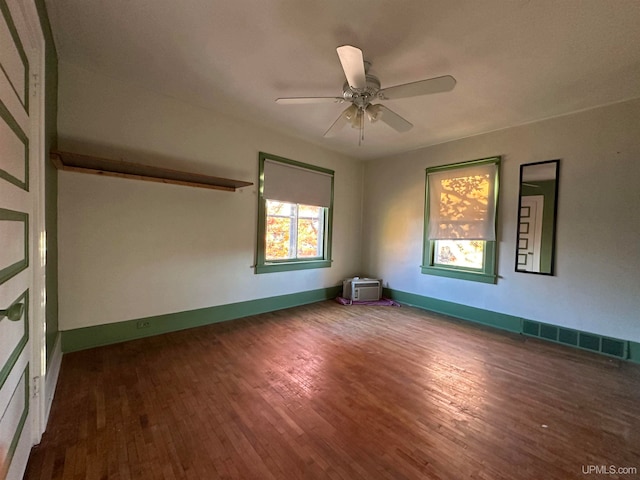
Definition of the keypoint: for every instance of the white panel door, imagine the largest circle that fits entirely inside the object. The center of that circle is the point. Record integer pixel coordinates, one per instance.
(20, 216)
(530, 233)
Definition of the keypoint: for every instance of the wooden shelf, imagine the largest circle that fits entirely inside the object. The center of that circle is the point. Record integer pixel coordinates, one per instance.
(74, 162)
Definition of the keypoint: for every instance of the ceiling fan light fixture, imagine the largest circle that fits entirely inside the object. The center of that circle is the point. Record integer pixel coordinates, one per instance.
(374, 112)
(351, 113)
(356, 121)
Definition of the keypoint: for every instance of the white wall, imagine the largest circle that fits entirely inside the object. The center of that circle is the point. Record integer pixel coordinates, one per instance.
(131, 249)
(597, 282)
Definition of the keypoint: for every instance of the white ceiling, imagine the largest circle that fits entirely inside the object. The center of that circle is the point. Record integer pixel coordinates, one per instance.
(516, 61)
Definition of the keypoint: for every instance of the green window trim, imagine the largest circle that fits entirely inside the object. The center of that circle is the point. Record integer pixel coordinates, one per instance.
(271, 266)
(488, 273)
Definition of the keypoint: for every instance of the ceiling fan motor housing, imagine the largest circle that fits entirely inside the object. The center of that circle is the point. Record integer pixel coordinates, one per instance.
(362, 97)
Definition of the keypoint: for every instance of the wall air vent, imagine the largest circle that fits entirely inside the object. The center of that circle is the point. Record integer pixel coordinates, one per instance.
(586, 341)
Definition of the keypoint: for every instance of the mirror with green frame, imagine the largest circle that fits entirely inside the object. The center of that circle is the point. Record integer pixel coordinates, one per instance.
(537, 210)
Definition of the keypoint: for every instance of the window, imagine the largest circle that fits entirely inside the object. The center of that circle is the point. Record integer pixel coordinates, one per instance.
(460, 220)
(459, 253)
(294, 215)
(293, 231)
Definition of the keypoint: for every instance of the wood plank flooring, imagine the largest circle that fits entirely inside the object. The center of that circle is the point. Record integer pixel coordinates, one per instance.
(326, 391)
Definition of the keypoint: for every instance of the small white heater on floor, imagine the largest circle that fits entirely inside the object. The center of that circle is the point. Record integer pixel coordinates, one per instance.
(359, 289)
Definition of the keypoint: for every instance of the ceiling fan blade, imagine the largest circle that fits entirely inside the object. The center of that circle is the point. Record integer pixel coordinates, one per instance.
(306, 100)
(391, 118)
(353, 66)
(421, 87)
(345, 117)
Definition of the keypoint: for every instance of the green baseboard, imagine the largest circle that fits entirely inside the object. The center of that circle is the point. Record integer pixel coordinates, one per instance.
(99, 335)
(513, 324)
(464, 312)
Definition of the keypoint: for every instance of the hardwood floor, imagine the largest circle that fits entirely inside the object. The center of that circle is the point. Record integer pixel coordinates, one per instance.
(328, 391)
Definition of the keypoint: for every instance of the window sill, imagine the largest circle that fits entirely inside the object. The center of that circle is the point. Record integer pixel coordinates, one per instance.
(292, 265)
(459, 273)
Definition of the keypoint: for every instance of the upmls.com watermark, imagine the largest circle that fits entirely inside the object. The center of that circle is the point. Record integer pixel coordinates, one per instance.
(608, 470)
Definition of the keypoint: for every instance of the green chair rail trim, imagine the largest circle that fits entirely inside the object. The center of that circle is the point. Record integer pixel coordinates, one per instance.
(506, 322)
(99, 335)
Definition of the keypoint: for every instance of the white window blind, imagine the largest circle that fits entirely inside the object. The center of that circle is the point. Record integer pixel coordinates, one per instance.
(462, 203)
(293, 184)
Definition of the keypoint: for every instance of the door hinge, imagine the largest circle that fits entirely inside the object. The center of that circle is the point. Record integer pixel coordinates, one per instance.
(35, 388)
(35, 84)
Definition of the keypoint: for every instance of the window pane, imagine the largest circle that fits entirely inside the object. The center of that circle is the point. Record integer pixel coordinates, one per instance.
(459, 253)
(310, 231)
(294, 231)
(280, 219)
(279, 208)
(307, 211)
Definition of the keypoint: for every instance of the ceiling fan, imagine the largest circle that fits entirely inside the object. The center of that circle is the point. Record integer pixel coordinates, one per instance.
(363, 88)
